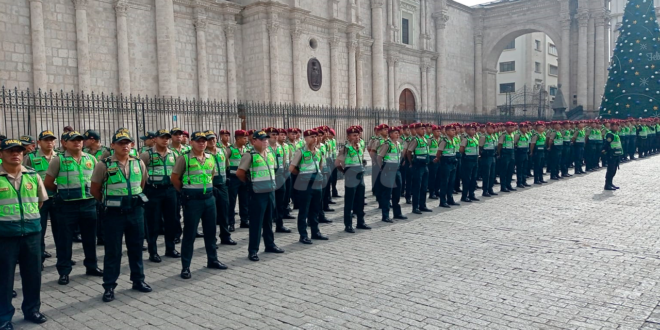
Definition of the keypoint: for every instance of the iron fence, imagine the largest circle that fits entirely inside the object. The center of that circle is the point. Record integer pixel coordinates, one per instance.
(28, 113)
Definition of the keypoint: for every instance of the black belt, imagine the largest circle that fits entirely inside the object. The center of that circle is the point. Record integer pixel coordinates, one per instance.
(159, 186)
(199, 197)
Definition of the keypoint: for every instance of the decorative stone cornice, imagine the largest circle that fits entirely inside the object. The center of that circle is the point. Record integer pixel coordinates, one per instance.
(377, 4)
(200, 19)
(121, 8)
(229, 28)
(441, 18)
(80, 4)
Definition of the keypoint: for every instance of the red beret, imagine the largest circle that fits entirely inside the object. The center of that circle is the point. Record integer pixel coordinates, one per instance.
(404, 126)
(310, 132)
(509, 124)
(332, 131)
(393, 129)
(351, 130)
(271, 130)
(224, 131)
(298, 130)
(250, 132)
(281, 130)
(185, 133)
(240, 133)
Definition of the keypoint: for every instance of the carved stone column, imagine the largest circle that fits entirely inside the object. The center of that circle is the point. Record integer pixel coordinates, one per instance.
(601, 55)
(583, 21)
(564, 57)
(378, 61)
(335, 43)
(352, 83)
(359, 90)
(425, 97)
(441, 19)
(390, 84)
(37, 32)
(202, 61)
(123, 64)
(165, 42)
(273, 28)
(82, 45)
(298, 74)
(590, 63)
(478, 74)
(230, 28)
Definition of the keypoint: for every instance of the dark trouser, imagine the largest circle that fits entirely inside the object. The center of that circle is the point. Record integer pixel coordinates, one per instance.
(222, 210)
(469, 170)
(447, 178)
(632, 146)
(566, 159)
(237, 188)
(294, 191)
(521, 166)
(420, 181)
(642, 147)
(261, 218)
(26, 251)
(119, 223)
(177, 216)
(539, 160)
(72, 214)
(457, 180)
(100, 219)
(409, 183)
(354, 199)
(375, 171)
(488, 173)
(578, 156)
(403, 169)
(287, 194)
(325, 191)
(390, 180)
(433, 178)
(333, 181)
(310, 205)
(45, 211)
(193, 211)
(612, 166)
(555, 161)
(161, 205)
(595, 154)
(507, 163)
(280, 208)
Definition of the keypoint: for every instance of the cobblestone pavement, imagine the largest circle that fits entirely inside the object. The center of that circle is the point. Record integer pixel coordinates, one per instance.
(567, 255)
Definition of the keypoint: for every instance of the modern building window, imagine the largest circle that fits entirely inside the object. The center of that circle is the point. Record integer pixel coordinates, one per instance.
(507, 88)
(405, 31)
(537, 45)
(552, 49)
(553, 70)
(508, 66)
(511, 45)
(537, 67)
(553, 91)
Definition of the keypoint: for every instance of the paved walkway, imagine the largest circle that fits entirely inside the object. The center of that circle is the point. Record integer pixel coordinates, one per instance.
(566, 255)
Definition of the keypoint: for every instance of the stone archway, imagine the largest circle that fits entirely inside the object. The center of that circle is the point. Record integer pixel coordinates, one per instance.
(565, 23)
(407, 106)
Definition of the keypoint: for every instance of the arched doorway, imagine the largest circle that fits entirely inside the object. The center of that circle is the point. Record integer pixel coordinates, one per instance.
(407, 106)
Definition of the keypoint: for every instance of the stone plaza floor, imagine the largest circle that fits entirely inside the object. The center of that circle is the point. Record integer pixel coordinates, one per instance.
(565, 255)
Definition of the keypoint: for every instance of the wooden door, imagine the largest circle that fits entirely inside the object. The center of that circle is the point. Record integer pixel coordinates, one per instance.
(407, 106)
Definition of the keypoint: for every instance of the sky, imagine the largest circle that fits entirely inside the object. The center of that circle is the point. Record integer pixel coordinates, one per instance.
(472, 2)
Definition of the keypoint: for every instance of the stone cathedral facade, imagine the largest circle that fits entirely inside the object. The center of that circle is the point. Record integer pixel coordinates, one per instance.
(422, 55)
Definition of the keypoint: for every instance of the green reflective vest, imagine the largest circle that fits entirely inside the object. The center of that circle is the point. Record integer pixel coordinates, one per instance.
(98, 153)
(220, 167)
(74, 180)
(580, 136)
(19, 210)
(262, 172)
(198, 178)
(40, 165)
(354, 157)
(159, 170)
(310, 164)
(559, 140)
(133, 153)
(393, 154)
(450, 148)
(489, 142)
(433, 146)
(235, 158)
(472, 146)
(508, 141)
(540, 141)
(596, 136)
(523, 141)
(119, 186)
(616, 145)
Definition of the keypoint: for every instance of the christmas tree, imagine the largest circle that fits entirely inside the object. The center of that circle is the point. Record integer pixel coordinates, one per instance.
(633, 84)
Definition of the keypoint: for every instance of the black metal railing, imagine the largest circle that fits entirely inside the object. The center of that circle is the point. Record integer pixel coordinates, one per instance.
(27, 113)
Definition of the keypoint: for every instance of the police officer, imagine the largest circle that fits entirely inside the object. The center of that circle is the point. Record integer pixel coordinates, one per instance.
(220, 188)
(118, 181)
(505, 152)
(93, 144)
(555, 147)
(237, 189)
(74, 205)
(148, 141)
(612, 150)
(418, 155)
(160, 161)
(521, 143)
(579, 138)
(434, 141)
(487, 146)
(39, 160)
(284, 204)
(537, 145)
(389, 161)
(29, 143)
(333, 175)
(278, 152)
(567, 152)
(257, 169)
(446, 156)
(470, 149)
(307, 164)
(193, 176)
(349, 161)
(20, 239)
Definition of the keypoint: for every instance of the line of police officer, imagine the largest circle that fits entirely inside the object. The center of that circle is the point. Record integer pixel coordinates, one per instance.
(116, 185)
